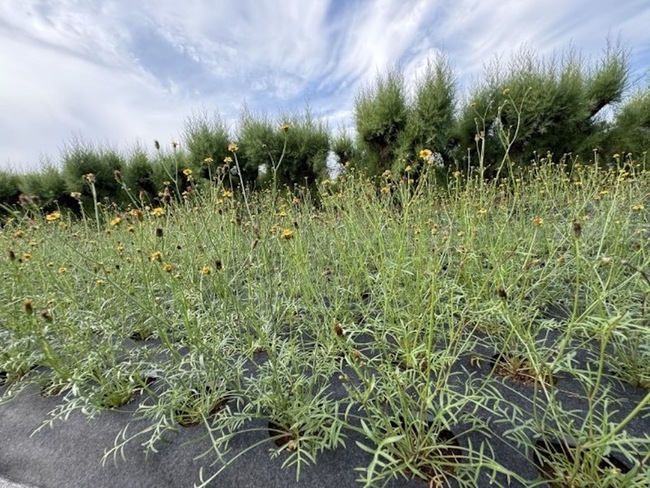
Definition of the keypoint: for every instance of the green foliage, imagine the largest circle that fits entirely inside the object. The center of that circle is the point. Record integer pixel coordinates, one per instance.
(168, 170)
(139, 175)
(81, 158)
(381, 113)
(343, 147)
(431, 113)
(9, 188)
(206, 138)
(631, 131)
(534, 106)
(302, 161)
(49, 187)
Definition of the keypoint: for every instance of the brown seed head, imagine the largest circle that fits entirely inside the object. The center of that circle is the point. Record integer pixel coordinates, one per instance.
(28, 307)
(577, 228)
(339, 329)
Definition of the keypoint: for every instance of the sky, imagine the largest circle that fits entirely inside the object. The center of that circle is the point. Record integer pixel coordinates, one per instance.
(127, 72)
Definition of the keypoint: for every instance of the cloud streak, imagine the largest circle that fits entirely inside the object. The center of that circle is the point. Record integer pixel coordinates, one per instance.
(122, 71)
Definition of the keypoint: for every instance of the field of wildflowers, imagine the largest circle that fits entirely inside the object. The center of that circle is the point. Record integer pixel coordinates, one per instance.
(444, 329)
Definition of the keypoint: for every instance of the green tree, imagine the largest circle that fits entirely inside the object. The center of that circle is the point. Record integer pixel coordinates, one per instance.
(80, 158)
(206, 139)
(296, 147)
(431, 115)
(49, 186)
(535, 106)
(9, 189)
(631, 129)
(381, 113)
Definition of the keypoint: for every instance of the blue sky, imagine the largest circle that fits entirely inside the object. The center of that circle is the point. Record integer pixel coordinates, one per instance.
(119, 72)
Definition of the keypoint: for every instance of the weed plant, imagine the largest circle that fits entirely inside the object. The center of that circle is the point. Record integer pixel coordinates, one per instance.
(415, 321)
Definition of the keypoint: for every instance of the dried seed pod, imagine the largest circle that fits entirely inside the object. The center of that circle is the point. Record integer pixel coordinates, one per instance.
(577, 229)
(339, 329)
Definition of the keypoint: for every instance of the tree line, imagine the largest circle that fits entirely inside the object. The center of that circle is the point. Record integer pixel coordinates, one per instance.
(520, 112)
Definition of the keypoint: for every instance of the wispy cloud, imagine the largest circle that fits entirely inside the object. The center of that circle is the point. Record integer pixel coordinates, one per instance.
(122, 71)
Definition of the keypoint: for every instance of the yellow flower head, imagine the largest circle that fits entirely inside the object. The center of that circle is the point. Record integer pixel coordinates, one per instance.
(27, 256)
(206, 270)
(208, 160)
(100, 282)
(637, 207)
(116, 221)
(226, 194)
(131, 228)
(158, 212)
(425, 154)
(187, 172)
(232, 147)
(506, 92)
(62, 269)
(538, 221)
(287, 234)
(18, 234)
(285, 127)
(53, 216)
(168, 268)
(155, 256)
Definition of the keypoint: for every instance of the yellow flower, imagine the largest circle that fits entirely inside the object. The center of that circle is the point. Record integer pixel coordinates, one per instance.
(168, 268)
(232, 147)
(62, 269)
(285, 127)
(18, 234)
(158, 212)
(116, 221)
(482, 211)
(506, 92)
(51, 217)
(538, 221)
(89, 177)
(408, 169)
(76, 195)
(27, 256)
(637, 207)
(385, 189)
(206, 270)
(187, 172)
(208, 160)
(226, 194)
(227, 160)
(155, 256)
(131, 228)
(425, 154)
(287, 234)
